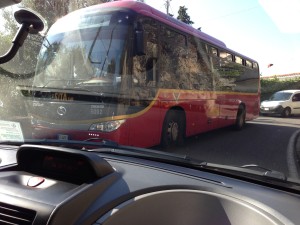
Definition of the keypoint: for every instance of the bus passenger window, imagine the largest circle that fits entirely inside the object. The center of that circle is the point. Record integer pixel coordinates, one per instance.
(214, 51)
(174, 67)
(225, 56)
(144, 66)
(214, 59)
(248, 63)
(238, 60)
(197, 63)
(226, 65)
(255, 66)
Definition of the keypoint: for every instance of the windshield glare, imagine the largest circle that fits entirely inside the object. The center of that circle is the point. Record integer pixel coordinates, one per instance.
(280, 96)
(129, 74)
(86, 56)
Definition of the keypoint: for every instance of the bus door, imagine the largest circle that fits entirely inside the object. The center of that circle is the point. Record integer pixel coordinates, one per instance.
(226, 73)
(145, 123)
(202, 58)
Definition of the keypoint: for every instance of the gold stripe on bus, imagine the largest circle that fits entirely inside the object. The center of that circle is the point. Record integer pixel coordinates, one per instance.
(172, 92)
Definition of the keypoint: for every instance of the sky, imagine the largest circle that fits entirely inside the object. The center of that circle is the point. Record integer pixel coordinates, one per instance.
(267, 31)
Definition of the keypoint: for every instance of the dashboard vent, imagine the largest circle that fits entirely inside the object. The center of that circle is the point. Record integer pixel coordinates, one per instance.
(10, 214)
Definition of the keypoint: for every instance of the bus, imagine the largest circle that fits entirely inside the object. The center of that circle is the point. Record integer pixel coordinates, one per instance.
(126, 72)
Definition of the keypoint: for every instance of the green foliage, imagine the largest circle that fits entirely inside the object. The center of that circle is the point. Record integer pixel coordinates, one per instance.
(183, 16)
(5, 43)
(50, 10)
(25, 60)
(269, 86)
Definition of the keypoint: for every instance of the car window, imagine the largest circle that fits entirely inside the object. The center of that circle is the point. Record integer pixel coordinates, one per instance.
(296, 97)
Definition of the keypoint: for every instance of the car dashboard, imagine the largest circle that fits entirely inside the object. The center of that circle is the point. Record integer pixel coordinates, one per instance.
(54, 185)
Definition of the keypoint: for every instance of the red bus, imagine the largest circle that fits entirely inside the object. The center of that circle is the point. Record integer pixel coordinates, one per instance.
(139, 77)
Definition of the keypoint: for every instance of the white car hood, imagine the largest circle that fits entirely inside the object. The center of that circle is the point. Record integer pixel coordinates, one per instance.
(270, 103)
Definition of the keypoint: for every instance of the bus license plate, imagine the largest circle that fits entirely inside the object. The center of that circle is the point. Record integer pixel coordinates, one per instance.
(63, 137)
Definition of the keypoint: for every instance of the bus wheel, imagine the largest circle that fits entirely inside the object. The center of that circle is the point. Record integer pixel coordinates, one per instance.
(240, 118)
(173, 131)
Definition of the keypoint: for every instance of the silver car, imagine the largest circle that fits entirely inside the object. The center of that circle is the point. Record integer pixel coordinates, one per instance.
(284, 103)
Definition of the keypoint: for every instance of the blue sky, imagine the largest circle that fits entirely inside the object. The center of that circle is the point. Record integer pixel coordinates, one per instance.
(265, 30)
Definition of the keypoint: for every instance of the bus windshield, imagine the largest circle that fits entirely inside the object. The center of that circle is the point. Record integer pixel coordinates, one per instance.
(86, 53)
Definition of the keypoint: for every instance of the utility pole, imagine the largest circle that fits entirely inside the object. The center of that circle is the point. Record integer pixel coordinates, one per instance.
(167, 5)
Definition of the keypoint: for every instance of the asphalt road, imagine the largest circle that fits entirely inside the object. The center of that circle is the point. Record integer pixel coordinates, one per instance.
(263, 141)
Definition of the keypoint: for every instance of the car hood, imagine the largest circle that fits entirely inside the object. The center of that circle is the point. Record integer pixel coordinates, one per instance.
(270, 103)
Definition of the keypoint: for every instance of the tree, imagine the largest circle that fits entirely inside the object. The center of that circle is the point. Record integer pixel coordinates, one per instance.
(13, 73)
(183, 16)
(50, 10)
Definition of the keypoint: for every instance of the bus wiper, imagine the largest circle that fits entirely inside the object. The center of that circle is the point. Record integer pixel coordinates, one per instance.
(93, 44)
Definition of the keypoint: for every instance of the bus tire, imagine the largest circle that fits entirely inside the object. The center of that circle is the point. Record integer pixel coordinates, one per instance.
(240, 118)
(173, 130)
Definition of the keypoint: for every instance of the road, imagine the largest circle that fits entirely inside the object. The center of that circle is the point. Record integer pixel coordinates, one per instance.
(263, 141)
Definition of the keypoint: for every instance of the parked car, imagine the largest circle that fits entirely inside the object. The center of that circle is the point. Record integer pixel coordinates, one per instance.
(284, 103)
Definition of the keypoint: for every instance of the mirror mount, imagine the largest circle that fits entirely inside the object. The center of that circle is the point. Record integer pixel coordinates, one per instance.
(31, 23)
(5, 3)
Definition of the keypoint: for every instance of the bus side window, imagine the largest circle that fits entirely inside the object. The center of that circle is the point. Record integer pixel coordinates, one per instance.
(214, 63)
(228, 73)
(200, 76)
(214, 57)
(226, 64)
(172, 60)
(255, 66)
(238, 60)
(248, 63)
(225, 57)
(214, 51)
(144, 66)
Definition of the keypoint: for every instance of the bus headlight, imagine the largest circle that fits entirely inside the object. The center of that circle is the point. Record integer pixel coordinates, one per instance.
(108, 126)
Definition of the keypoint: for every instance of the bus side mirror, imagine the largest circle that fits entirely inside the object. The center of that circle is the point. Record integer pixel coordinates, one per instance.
(31, 23)
(139, 43)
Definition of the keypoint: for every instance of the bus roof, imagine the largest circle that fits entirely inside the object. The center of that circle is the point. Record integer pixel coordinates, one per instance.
(147, 10)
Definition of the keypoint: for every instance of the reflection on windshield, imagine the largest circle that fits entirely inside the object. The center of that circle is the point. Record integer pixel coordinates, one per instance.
(132, 78)
(83, 58)
(280, 96)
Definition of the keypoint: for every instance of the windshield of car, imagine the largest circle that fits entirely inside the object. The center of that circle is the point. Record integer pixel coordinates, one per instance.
(280, 96)
(128, 74)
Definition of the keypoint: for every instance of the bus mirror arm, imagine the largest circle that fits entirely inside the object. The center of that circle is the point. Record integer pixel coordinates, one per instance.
(31, 23)
(139, 43)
